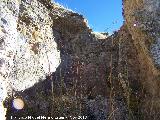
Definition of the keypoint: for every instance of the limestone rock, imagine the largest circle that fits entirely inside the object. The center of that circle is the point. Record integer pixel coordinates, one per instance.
(58, 66)
(28, 49)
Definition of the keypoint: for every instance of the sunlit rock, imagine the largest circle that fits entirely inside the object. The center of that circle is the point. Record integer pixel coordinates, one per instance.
(28, 50)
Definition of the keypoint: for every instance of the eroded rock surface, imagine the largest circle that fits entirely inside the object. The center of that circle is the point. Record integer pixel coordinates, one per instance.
(53, 61)
(28, 49)
(145, 33)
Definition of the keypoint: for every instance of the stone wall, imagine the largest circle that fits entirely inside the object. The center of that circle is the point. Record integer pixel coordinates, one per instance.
(28, 49)
(142, 20)
(58, 66)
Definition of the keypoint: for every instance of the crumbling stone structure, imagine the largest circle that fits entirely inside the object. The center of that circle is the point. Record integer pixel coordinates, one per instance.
(53, 61)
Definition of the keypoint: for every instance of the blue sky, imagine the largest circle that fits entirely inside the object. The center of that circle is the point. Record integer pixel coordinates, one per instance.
(102, 15)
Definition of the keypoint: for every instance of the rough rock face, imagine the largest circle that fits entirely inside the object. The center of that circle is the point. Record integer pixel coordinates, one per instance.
(28, 49)
(143, 22)
(59, 67)
(142, 18)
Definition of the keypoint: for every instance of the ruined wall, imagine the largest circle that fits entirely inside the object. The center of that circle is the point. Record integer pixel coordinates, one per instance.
(28, 49)
(142, 18)
(52, 60)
